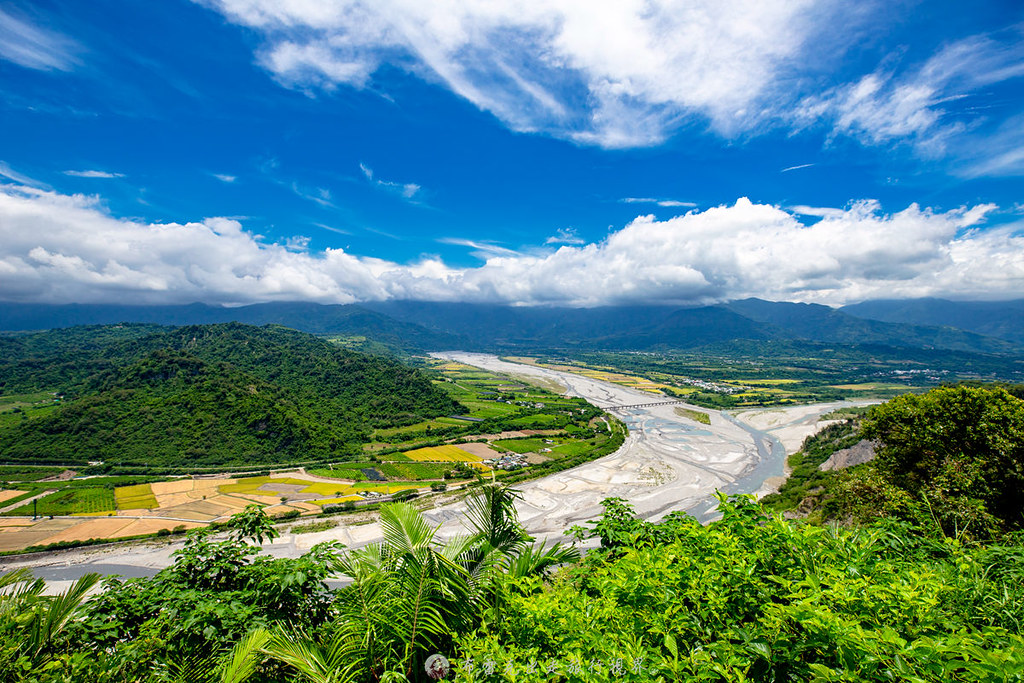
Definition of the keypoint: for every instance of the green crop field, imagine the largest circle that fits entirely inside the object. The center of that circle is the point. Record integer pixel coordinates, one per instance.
(97, 501)
(522, 445)
(353, 471)
(418, 471)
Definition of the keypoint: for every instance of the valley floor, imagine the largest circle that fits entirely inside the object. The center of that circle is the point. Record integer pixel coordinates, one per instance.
(668, 462)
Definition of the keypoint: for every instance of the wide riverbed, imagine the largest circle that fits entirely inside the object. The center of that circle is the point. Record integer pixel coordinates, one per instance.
(668, 462)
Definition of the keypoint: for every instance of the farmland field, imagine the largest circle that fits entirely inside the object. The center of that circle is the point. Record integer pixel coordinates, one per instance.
(441, 454)
(138, 497)
(522, 445)
(73, 501)
(414, 471)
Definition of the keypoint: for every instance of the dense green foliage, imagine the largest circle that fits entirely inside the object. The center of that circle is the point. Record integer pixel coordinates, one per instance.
(964, 446)
(209, 395)
(751, 597)
(411, 596)
(952, 458)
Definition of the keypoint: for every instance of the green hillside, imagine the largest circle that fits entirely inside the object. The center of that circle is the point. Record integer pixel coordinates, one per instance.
(207, 395)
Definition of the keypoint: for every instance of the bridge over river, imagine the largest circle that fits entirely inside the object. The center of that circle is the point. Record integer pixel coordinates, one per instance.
(643, 405)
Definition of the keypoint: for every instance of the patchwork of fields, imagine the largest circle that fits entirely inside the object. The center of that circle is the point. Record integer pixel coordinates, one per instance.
(499, 415)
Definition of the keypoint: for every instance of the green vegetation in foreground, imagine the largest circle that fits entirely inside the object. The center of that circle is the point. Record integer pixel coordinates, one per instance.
(747, 597)
(752, 597)
(927, 587)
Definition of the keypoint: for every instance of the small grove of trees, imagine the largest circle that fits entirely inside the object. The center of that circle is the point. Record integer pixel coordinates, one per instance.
(960, 449)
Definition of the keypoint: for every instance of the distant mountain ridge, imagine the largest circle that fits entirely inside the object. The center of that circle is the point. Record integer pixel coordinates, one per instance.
(1001, 319)
(413, 325)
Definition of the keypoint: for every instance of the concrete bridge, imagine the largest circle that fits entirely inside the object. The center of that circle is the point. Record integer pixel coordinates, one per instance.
(643, 405)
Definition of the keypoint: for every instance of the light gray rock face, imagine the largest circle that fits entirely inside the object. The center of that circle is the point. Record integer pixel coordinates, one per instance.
(857, 454)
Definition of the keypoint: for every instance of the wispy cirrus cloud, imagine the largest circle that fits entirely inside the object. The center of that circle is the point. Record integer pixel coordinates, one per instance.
(67, 248)
(224, 177)
(926, 107)
(11, 174)
(667, 203)
(407, 191)
(615, 74)
(633, 73)
(94, 174)
(482, 249)
(33, 47)
(565, 236)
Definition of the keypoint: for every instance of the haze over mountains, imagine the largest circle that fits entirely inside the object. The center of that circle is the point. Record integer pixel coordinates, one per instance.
(978, 327)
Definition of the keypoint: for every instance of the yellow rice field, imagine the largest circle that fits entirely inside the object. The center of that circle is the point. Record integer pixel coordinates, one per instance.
(441, 454)
(138, 497)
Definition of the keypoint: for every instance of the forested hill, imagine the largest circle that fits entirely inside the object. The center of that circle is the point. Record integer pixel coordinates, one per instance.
(203, 395)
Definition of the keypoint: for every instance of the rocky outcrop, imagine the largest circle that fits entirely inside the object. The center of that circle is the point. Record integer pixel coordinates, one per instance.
(857, 454)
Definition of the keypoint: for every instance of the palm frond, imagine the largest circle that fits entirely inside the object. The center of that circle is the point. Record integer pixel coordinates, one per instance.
(245, 656)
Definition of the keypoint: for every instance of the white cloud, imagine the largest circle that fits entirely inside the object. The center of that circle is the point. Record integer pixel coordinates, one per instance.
(795, 168)
(565, 236)
(481, 250)
(62, 248)
(33, 47)
(883, 106)
(225, 178)
(93, 174)
(407, 191)
(7, 172)
(616, 74)
(317, 195)
(668, 203)
(999, 154)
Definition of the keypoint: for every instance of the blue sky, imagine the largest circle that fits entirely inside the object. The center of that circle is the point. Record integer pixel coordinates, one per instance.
(556, 152)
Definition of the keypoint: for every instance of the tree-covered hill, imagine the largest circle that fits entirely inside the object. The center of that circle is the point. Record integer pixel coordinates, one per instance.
(204, 395)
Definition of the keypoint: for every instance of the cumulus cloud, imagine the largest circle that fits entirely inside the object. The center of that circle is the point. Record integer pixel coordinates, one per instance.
(32, 47)
(614, 74)
(66, 248)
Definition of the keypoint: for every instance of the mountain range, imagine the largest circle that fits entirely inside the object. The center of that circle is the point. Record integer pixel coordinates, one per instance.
(976, 327)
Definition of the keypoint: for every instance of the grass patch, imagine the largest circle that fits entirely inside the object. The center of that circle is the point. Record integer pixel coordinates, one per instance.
(138, 497)
(695, 415)
(313, 527)
(338, 501)
(574, 448)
